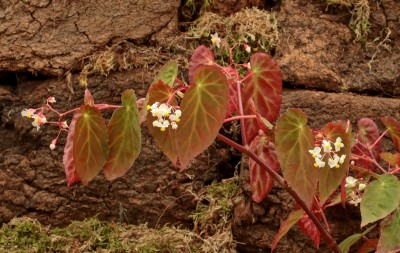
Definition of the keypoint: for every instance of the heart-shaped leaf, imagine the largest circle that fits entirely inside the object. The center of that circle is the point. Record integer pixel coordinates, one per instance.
(264, 86)
(260, 181)
(390, 234)
(291, 220)
(330, 178)
(293, 140)
(201, 56)
(368, 134)
(68, 159)
(168, 73)
(90, 150)
(380, 198)
(349, 241)
(203, 112)
(393, 126)
(124, 137)
(161, 92)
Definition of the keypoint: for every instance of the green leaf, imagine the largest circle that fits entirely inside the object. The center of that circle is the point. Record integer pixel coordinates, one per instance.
(390, 234)
(293, 140)
(349, 241)
(124, 137)
(161, 92)
(330, 178)
(90, 148)
(168, 73)
(202, 56)
(203, 112)
(393, 126)
(264, 86)
(380, 198)
(291, 220)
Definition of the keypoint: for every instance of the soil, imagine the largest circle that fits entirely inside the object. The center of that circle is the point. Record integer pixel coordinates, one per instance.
(45, 44)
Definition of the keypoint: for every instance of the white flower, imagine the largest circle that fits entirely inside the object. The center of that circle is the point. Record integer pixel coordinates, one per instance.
(53, 144)
(215, 40)
(64, 124)
(247, 48)
(361, 186)
(350, 182)
(316, 152)
(39, 119)
(174, 125)
(319, 163)
(356, 201)
(338, 144)
(327, 146)
(334, 162)
(28, 113)
(51, 100)
(341, 160)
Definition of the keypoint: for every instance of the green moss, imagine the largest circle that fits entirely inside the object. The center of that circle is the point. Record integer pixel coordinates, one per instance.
(360, 14)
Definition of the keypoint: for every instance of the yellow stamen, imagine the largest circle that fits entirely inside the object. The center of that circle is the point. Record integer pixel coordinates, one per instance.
(213, 40)
(162, 129)
(177, 120)
(148, 107)
(166, 114)
(314, 155)
(315, 164)
(337, 166)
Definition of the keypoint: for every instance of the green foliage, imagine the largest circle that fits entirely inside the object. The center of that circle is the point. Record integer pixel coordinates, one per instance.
(351, 240)
(390, 231)
(381, 197)
(293, 138)
(124, 137)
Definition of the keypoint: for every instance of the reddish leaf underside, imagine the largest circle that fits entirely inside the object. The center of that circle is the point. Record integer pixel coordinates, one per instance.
(203, 112)
(293, 140)
(368, 246)
(124, 137)
(161, 92)
(260, 181)
(88, 98)
(264, 86)
(233, 91)
(68, 160)
(330, 178)
(201, 56)
(308, 227)
(90, 150)
(393, 127)
(286, 225)
(367, 133)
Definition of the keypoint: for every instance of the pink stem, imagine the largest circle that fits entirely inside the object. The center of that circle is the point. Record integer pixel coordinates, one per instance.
(240, 117)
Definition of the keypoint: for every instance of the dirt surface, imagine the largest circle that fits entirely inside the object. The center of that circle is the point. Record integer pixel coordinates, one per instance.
(325, 73)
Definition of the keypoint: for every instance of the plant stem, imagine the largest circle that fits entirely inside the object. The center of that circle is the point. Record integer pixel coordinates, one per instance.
(325, 234)
(240, 117)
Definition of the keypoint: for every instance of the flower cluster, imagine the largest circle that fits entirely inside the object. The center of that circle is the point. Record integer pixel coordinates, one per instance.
(166, 115)
(356, 188)
(334, 160)
(38, 118)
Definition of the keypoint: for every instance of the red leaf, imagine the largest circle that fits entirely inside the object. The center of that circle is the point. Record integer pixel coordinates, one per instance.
(203, 112)
(124, 137)
(262, 123)
(264, 85)
(291, 220)
(88, 99)
(161, 92)
(367, 133)
(90, 150)
(308, 227)
(68, 159)
(261, 182)
(200, 57)
(232, 74)
(393, 126)
(368, 246)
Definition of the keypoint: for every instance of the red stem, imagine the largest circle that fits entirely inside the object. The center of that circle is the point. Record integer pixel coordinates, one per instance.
(325, 234)
(240, 117)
